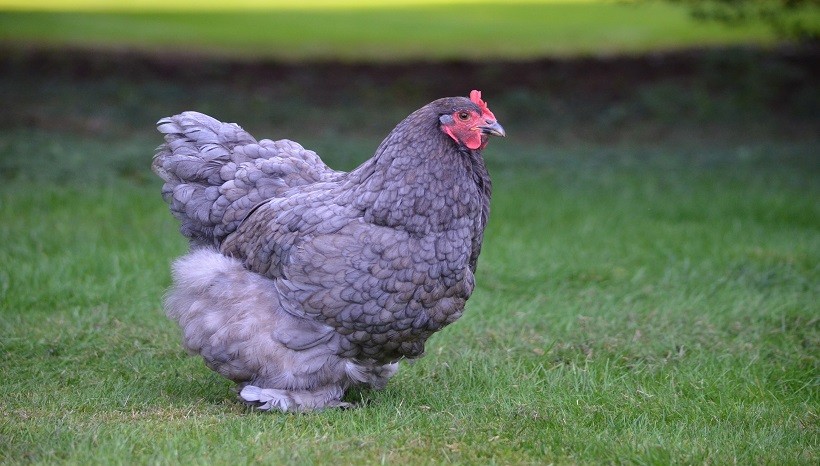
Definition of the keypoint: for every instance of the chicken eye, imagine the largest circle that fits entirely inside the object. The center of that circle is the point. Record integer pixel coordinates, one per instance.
(463, 116)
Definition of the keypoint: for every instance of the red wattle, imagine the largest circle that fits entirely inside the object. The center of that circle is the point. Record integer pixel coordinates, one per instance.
(473, 141)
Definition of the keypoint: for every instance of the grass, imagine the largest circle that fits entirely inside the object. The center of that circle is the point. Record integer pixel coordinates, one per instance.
(214, 5)
(435, 31)
(648, 299)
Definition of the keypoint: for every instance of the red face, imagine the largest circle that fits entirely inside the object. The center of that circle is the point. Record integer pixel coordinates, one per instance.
(470, 128)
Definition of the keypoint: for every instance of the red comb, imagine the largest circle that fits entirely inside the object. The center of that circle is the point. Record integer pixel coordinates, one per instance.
(475, 96)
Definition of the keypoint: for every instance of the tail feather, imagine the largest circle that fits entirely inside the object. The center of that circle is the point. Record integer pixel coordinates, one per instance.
(216, 172)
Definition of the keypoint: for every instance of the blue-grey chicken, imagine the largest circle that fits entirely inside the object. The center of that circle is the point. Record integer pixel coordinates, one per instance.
(302, 281)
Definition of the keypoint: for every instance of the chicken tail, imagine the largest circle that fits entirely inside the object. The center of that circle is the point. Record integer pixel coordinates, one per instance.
(215, 173)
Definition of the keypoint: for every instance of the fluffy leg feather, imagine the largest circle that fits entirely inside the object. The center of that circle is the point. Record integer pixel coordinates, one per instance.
(234, 319)
(293, 400)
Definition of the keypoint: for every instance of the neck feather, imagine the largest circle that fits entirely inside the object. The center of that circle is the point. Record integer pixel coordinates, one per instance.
(420, 181)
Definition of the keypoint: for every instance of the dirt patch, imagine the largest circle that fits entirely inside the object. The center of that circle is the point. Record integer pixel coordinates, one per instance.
(607, 77)
(733, 90)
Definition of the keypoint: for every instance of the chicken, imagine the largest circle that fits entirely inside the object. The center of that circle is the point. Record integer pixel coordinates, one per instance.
(302, 281)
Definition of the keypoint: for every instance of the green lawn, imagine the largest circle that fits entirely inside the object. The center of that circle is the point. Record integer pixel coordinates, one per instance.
(647, 292)
(492, 30)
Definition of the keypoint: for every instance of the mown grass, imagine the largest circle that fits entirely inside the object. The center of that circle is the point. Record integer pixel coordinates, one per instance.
(647, 300)
(491, 30)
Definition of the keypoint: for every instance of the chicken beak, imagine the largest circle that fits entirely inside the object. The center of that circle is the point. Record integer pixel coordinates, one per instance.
(492, 127)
